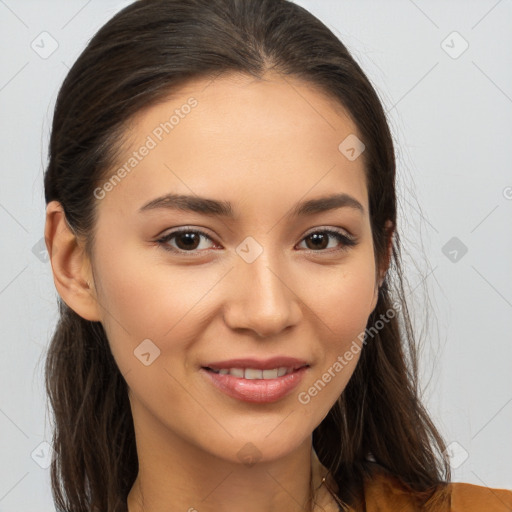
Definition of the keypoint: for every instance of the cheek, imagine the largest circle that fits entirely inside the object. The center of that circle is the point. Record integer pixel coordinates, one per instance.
(141, 298)
(342, 309)
(354, 301)
(344, 300)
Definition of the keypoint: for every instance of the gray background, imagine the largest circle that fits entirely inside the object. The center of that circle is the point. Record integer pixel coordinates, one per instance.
(450, 112)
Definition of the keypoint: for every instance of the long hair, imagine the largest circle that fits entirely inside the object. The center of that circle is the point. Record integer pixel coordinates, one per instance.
(134, 61)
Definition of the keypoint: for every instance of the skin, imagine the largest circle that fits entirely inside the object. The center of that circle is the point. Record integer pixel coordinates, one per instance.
(263, 145)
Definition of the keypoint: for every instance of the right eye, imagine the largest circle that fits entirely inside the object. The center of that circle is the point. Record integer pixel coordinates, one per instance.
(186, 240)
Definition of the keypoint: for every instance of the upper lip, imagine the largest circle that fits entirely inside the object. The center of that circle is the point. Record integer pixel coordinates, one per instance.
(262, 364)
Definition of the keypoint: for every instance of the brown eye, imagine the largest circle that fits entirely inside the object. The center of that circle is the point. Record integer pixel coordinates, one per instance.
(319, 240)
(186, 240)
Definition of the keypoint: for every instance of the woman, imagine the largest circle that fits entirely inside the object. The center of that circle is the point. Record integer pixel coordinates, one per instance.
(221, 223)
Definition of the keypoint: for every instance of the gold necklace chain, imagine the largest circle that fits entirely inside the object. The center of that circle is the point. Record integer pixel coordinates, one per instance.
(342, 506)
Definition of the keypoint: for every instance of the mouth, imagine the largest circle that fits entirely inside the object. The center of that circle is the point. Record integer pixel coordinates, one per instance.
(255, 385)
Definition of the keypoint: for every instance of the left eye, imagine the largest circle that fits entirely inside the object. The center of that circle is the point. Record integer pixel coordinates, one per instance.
(319, 237)
(188, 240)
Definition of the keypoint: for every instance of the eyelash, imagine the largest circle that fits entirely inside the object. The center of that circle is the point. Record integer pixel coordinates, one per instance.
(347, 242)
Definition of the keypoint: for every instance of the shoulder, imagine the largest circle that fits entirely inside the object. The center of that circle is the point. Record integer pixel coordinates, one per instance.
(476, 497)
(384, 492)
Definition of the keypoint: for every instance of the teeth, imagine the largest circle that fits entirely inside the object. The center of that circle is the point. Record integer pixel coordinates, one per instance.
(250, 373)
(281, 371)
(270, 374)
(254, 373)
(237, 372)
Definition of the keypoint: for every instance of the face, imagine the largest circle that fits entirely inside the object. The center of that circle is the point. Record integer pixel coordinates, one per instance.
(248, 274)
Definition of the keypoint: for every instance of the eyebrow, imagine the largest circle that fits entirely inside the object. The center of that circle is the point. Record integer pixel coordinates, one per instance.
(215, 208)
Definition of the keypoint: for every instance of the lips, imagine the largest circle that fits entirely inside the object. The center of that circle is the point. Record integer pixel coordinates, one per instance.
(256, 380)
(263, 390)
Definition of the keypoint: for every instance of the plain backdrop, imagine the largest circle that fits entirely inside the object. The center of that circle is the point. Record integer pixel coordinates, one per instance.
(443, 70)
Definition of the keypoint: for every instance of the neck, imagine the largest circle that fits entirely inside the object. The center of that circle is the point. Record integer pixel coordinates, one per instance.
(176, 476)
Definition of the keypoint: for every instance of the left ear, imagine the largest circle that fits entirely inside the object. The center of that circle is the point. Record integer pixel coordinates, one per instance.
(389, 228)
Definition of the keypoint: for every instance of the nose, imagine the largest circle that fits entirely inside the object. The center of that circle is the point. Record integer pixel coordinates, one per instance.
(262, 298)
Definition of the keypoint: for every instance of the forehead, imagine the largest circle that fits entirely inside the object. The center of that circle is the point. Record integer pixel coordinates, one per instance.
(270, 137)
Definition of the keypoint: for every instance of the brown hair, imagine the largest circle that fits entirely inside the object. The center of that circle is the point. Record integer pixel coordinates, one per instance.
(137, 59)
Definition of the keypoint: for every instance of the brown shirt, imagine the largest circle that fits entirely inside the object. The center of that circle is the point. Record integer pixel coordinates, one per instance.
(385, 493)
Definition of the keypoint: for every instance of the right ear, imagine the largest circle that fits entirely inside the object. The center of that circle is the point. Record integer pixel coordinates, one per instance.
(71, 267)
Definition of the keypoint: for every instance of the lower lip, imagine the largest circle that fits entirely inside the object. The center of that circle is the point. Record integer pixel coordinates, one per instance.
(256, 390)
